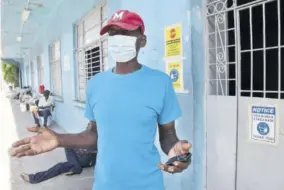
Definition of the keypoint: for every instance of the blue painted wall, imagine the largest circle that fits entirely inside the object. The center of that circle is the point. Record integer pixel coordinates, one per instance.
(157, 15)
(197, 26)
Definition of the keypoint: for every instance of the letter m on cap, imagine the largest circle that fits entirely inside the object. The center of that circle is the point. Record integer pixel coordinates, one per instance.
(118, 16)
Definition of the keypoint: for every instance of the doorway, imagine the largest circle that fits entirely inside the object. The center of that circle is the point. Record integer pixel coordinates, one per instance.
(245, 62)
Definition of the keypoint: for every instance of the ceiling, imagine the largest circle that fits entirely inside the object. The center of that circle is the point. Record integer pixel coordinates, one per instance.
(11, 24)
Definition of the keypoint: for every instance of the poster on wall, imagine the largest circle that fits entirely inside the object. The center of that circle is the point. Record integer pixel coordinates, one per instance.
(174, 70)
(173, 41)
(263, 124)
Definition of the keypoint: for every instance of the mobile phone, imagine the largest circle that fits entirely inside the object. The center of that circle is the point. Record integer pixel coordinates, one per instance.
(181, 158)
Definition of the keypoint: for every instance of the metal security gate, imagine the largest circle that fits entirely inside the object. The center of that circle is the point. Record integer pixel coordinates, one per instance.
(245, 56)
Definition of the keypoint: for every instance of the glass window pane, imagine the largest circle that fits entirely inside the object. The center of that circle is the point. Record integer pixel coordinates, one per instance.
(92, 20)
(56, 51)
(92, 35)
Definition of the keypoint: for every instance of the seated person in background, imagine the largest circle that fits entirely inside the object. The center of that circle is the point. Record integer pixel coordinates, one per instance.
(25, 95)
(45, 105)
(77, 159)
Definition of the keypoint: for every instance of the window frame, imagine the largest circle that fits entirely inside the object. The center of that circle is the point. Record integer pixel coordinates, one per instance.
(57, 62)
(82, 46)
(40, 70)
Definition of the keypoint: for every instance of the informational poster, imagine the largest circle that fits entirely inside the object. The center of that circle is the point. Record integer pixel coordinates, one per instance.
(66, 63)
(263, 125)
(174, 70)
(173, 41)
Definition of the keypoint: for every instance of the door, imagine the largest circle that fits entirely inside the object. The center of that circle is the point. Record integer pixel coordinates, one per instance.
(260, 150)
(221, 102)
(245, 52)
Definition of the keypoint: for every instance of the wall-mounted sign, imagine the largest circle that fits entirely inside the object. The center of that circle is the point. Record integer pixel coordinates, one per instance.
(174, 70)
(263, 125)
(173, 41)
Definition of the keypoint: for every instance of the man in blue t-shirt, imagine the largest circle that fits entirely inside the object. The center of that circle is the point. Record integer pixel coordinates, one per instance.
(124, 106)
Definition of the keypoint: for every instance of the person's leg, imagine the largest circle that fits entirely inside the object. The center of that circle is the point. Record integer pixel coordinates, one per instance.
(87, 160)
(36, 119)
(56, 170)
(46, 113)
(72, 158)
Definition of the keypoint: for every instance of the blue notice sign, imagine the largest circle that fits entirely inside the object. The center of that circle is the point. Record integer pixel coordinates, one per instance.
(263, 124)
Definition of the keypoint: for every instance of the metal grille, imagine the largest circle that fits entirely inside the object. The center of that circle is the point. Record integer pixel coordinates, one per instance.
(91, 48)
(261, 49)
(240, 35)
(40, 70)
(221, 48)
(55, 65)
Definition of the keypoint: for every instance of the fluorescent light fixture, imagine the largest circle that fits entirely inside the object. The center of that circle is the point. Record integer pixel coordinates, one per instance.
(25, 15)
(19, 38)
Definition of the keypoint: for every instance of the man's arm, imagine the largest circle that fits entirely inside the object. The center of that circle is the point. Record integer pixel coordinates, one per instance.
(46, 140)
(49, 101)
(48, 104)
(167, 136)
(86, 139)
(173, 147)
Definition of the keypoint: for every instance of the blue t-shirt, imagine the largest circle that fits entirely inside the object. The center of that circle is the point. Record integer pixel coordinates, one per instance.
(127, 109)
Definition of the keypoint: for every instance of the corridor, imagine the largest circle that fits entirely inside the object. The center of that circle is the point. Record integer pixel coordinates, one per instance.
(13, 124)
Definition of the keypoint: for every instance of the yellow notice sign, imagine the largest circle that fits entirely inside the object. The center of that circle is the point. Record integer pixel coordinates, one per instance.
(173, 45)
(174, 70)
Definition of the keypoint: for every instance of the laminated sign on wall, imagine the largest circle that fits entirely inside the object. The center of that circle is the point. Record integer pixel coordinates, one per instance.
(263, 125)
(174, 56)
(174, 71)
(173, 42)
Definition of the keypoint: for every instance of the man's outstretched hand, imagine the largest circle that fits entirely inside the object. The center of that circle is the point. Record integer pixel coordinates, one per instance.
(180, 148)
(45, 141)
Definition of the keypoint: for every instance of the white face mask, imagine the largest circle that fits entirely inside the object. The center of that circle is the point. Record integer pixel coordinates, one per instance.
(122, 48)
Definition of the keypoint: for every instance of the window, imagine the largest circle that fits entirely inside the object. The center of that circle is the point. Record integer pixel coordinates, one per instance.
(40, 70)
(55, 68)
(245, 48)
(28, 74)
(261, 50)
(221, 48)
(33, 75)
(91, 48)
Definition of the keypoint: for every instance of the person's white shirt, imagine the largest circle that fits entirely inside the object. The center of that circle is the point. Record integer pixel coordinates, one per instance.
(45, 103)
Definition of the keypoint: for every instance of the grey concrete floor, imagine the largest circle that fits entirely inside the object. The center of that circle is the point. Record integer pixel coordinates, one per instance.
(13, 124)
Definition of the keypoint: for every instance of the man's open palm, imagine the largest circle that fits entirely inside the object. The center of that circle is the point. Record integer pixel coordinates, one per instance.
(45, 141)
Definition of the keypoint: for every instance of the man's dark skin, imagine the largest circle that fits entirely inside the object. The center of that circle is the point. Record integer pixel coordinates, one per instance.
(47, 140)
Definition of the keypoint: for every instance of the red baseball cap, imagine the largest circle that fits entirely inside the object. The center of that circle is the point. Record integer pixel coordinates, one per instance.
(126, 20)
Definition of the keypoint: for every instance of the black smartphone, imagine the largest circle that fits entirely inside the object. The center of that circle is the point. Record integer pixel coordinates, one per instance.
(181, 158)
